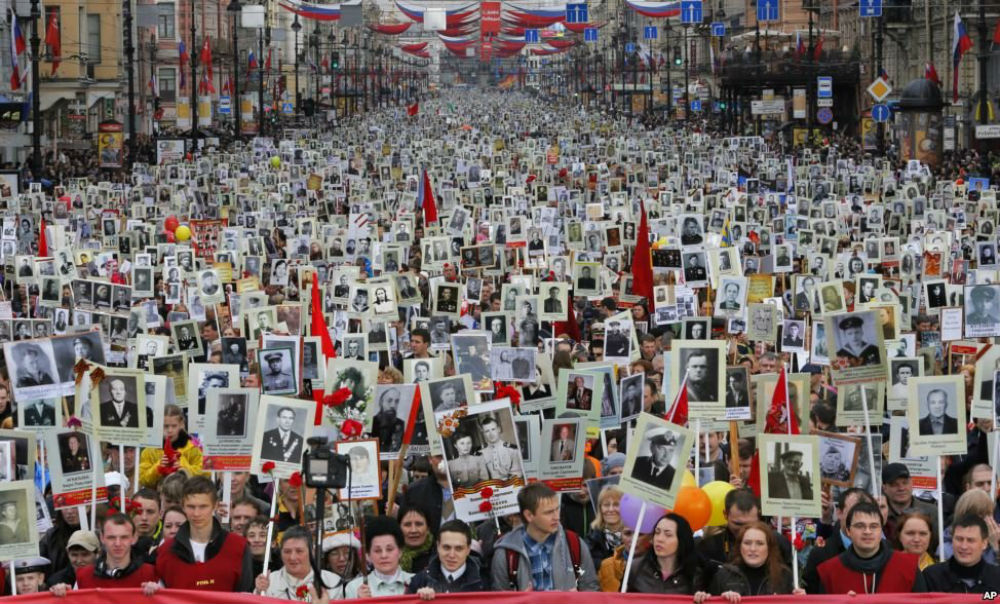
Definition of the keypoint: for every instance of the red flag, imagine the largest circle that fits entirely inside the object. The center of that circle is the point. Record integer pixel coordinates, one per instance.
(412, 422)
(753, 480)
(267, 61)
(996, 33)
(427, 200)
(53, 39)
(780, 418)
(930, 73)
(818, 49)
(642, 261)
(413, 109)
(43, 242)
(678, 413)
(206, 56)
(320, 329)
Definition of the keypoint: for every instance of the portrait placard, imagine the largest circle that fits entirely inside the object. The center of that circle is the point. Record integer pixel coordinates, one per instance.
(789, 467)
(18, 528)
(562, 464)
(901, 369)
(656, 459)
(737, 393)
(858, 347)
(851, 399)
(703, 364)
(923, 468)
(280, 432)
(202, 378)
(529, 440)
(391, 415)
(360, 378)
(480, 446)
(936, 409)
(231, 414)
(73, 477)
(118, 404)
(838, 459)
(445, 394)
(364, 481)
(579, 394)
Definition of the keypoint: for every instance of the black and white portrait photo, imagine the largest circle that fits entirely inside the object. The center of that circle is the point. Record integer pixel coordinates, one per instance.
(631, 396)
(284, 432)
(655, 460)
(232, 415)
(838, 459)
(18, 532)
(118, 402)
(793, 335)
(731, 301)
(448, 394)
(737, 393)
(703, 372)
(982, 310)
(617, 339)
(858, 342)
(789, 472)
(512, 364)
(393, 404)
(277, 371)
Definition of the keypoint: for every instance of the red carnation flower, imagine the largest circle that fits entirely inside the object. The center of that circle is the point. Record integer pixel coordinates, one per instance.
(337, 398)
(73, 422)
(295, 480)
(351, 428)
(501, 390)
(799, 543)
(302, 591)
(487, 492)
(485, 506)
(267, 467)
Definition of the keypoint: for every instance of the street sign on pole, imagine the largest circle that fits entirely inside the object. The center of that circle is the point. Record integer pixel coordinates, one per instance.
(718, 29)
(824, 115)
(767, 10)
(577, 13)
(695, 105)
(225, 104)
(881, 113)
(630, 47)
(879, 89)
(987, 131)
(590, 34)
(870, 8)
(531, 36)
(824, 87)
(287, 108)
(691, 12)
(649, 32)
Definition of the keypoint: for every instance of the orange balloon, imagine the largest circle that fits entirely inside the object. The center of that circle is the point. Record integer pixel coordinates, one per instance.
(694, 506)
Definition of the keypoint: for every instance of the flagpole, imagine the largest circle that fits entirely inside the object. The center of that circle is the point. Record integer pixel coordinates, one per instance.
(631, 550)
(868, 436)
(36, 107)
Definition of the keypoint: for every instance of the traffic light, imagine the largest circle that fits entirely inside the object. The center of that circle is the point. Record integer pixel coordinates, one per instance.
(678, 59)
(335, 61)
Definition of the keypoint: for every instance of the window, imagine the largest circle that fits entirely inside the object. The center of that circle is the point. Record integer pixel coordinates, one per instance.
(44, 33)
(93, 38)
(166, 79)
(165, 20)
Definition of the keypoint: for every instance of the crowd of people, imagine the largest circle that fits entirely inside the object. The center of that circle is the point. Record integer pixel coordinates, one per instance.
(291, 212)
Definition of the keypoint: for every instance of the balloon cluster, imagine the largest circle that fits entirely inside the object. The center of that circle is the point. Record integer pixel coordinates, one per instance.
(700, 507)
(175, 230)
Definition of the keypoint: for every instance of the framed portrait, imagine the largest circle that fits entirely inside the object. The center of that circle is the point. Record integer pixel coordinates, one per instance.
(529, 440)
(509, 364)
(762, 323)
(421, 370)
(32, 369)
(471, 350)
(391, 417)
(656, 460)
(580, 392)
(738, 403)
(838, 459)
(360, 378)
(553, 300)
(793, 335)
(73, 476)
(39, 415)
(764, 386)
(618, 336)
(851, 400)
(497, 324)
(731, 301)
(831, 297)
(982, 310)
(900, 370)
(282, 427)
(631, 395)
(789, 472)
(562, 464)
(586, 279)
(278, 371)
(697, 328)
(936, 408)
(187, 337)
(118, 405)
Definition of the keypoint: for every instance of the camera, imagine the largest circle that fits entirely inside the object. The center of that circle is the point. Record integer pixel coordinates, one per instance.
(322, 468)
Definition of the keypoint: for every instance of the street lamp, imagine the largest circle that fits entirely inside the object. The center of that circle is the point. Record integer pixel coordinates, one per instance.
(314, 43)
(264, 40)
(296, 27)
(194, 82)
(235, 9)
(130, 62)
(36, 109)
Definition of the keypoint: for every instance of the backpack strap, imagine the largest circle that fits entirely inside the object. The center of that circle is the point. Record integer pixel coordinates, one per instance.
(573, 541)
(513, 561)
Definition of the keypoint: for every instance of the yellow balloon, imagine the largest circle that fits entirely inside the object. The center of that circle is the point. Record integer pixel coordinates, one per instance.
(275, 161)
(183, 233)
(688, 480)
(716, 491)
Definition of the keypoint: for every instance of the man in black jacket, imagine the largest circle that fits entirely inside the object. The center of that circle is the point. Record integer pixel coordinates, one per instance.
(835, 544)
(741, 507)
(82, 550)
(965, 571)
(453, 570)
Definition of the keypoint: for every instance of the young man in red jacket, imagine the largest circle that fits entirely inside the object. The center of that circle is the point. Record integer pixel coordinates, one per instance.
(869, 565)
(203, 555)
(115, 567)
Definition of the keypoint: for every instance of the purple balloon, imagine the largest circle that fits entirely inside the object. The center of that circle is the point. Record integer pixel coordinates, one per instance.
(629, 509)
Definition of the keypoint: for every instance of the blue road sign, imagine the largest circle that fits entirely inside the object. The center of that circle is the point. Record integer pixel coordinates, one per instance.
(630, 47)
(590, 34)
(718, 29)
(881, 113)
(691, 11)
(767, 10)
(824, 87)
(225, 104)
(576, 13)
(695, 105)
(531, 36)
(649, 32)
(870, 8)
(824, 115)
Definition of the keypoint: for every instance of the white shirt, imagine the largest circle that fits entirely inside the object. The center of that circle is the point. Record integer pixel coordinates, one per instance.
(453, 575)
(198, 549)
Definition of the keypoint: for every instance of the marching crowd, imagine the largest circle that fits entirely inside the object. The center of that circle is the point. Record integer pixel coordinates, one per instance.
(176, 532)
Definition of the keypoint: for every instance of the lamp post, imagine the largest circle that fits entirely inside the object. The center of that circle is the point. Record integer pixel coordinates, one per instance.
(667, 30)
(264, 40)
(296, 27)
(235, 8)
(36, 108)
(314, 42)
(194, 82)
(130, 62)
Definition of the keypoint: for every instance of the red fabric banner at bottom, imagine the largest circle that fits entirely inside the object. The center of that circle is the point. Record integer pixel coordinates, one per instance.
(178, 596)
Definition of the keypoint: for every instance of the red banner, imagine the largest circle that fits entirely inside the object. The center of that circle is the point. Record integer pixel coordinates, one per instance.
(490, 14)
(175, 596)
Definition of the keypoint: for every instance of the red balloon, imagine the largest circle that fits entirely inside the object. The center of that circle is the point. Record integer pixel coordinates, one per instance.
(694, 506)
(170, 236)
(171, 223)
